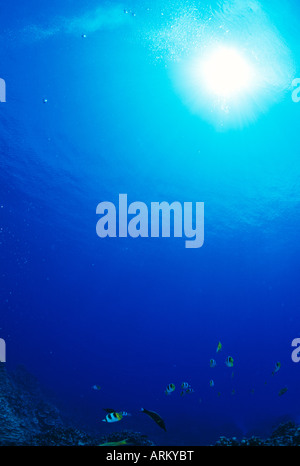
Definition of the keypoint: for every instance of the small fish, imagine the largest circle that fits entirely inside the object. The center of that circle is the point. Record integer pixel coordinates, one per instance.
(96, 387)
(252, 391)
(113, 417)
(233, 392)
(232, 375)
(185, 385)
(211, 383)
(219, 394)
(277, 368)
(187, 389)
(156, 418)
(212, 363)
(282, 391)
(115, 444)
(170, 389)
(219, 347)
(229, 361)
(190, 390)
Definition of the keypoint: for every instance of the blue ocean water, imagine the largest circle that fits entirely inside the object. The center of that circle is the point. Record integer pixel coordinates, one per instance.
(94, 108)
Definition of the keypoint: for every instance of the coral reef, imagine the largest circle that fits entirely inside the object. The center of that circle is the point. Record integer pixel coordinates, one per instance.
(28, 418)
(287, 434)
(23, 409)
(70, 436)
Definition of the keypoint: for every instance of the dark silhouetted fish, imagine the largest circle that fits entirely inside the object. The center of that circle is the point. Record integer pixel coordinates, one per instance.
(156, 418)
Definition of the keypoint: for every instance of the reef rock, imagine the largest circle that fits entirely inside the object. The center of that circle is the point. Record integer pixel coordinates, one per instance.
(287, 434)
(28, 418)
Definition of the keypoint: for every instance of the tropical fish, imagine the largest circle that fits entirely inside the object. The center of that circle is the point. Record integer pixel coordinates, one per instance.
(96, 387)
(185, 385)
(189, 390)
(229, 361)
(170, 389)
(212, 383)
(115, 444)
(219, 347)
(113, 417)
(156, 418)
(277, 368)
(282, 391)
(212, 363)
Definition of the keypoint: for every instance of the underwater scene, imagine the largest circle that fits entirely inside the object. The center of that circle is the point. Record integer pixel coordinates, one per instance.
(149, 222)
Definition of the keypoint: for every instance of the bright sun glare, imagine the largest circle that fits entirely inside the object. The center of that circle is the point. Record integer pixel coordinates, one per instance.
(226, 73)
(230, 68)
